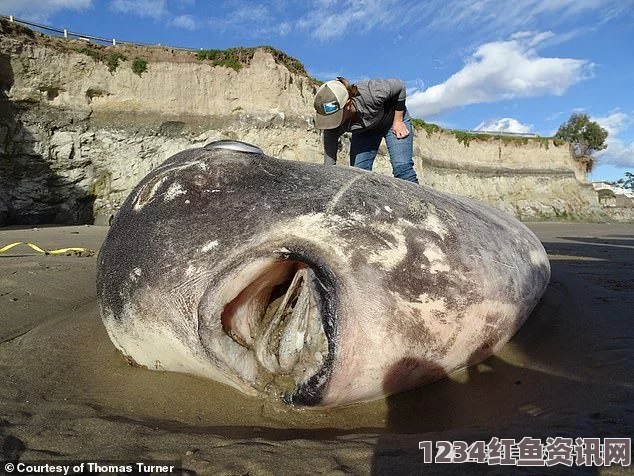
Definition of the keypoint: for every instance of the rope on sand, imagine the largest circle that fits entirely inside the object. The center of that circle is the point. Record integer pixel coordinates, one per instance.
(61, 251)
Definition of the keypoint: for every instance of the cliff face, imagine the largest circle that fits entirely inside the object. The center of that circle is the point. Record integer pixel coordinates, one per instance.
(75, 137)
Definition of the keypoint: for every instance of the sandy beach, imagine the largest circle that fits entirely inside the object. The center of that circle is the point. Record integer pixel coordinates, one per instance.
(67, 394)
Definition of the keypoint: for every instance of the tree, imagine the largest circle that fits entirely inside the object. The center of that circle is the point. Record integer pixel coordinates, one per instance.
(626, 183)
(585, 137)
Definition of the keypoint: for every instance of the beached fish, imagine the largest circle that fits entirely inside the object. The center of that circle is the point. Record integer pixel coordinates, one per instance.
(316, 285)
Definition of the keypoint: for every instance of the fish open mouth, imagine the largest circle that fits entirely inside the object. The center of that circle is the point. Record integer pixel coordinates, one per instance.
(275, 310)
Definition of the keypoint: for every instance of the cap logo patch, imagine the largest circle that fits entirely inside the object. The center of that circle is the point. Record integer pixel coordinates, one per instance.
(330, 107)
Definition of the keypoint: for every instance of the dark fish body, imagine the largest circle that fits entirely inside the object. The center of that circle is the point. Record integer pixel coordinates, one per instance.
(318, 285)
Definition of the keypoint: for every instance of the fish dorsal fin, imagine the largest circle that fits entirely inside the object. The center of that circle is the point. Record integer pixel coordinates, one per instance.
(235, 145)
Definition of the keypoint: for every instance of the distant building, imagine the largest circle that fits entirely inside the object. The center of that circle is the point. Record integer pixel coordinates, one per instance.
(613, 197)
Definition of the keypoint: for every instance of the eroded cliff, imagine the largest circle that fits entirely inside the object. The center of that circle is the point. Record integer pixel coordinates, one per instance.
(77, 134)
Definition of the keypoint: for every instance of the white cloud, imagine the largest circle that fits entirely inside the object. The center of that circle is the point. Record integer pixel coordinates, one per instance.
(284, 28)
(251, 13)
(503, 17)
(555, 116)
(498, 71)
(247, 18)
(619, 152)
(187, 22)
(614, 122)
(40, 10)
(328, 20)
(154, 9)
(506, 124)
(255, 20)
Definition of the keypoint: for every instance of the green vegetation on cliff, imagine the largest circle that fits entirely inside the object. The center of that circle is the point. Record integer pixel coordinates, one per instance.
(466, 137)
(112, 60)
(427, 126)
(236, 58)
(139, 66)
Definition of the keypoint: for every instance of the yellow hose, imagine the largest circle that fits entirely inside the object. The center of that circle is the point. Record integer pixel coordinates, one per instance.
(60, 251)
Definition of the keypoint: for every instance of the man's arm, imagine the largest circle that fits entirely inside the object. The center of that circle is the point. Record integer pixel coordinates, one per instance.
(331, 142)
(398, 126)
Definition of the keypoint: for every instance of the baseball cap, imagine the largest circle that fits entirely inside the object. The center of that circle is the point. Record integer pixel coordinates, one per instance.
(330, 99)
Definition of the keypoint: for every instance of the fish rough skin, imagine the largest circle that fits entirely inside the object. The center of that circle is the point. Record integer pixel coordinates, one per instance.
(318, 286)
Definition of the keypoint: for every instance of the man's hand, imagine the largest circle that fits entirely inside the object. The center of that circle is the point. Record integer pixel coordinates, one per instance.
(399, 129)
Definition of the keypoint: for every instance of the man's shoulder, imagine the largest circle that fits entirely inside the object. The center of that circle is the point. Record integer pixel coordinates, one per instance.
(374, 86)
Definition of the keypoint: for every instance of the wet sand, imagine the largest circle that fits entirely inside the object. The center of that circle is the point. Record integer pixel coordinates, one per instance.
(67, 394)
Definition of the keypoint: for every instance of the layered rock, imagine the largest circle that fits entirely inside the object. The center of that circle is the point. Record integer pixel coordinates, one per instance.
(76, 137)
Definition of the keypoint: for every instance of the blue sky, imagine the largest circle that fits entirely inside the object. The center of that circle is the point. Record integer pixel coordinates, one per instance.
(518, 66)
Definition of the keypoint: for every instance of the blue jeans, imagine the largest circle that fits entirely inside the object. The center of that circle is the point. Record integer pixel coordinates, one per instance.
(365, 145)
